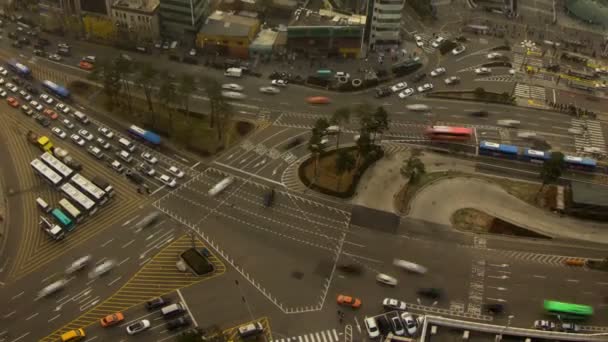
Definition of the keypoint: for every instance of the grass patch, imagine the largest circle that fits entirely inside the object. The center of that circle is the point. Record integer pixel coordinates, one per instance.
(475, 221)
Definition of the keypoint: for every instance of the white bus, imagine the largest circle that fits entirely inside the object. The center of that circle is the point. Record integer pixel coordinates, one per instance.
(69, 208)
(91, 190)
(56, 165)
(219, 187)
(49, 175)
(79, 198)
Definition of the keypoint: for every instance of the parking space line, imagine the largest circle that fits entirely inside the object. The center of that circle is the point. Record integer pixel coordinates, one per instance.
(179, 293)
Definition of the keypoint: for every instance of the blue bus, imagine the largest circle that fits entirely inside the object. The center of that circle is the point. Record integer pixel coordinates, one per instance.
(142, 134)
(19, 69)
(56, 89)
(536, 156)
(580, 163)
(63, 219)
(499, 150)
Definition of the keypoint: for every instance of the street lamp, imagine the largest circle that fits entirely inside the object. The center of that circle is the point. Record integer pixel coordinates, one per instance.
(499, 337)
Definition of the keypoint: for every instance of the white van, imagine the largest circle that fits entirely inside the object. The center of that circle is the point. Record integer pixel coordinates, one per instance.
(127, 144)
(126, 156)
(81, 117)
(233, 72)
(250, 329)
(173, 309)
(372, 327)
(43, 205)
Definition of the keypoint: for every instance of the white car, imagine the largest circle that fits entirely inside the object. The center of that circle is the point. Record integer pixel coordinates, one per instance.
(62, 108)
(3, 71)
(3, 93)
(279, 83)
(59, 132)
(512, 71)
(452, 80)
(106, 132)
(410, 323)
(147, 169)
(438, 71)
(397, 325)
(67, 123)
(149, 158)
(494, 55)
(406, 93)
(85, 134)
(372, 327)
(232, 86)
(270, 90)
(544, 325)
(409, 266)
(103, 143)
(192, 52)
(483, 71)
(393, 304)
(170, 182)
(1, 81)
(425, 87)
(55, 57)
(13, 88)
(52, 288)
(79, 264)
(36, 106)
(25, 95)
(117, 166)
(438, 41)
(458, 50)
(419, 41)
(386, 279)
(101, 269)
(76, 139)
(46, 99)
(399, 87)
(138, 327)
(340, 74)
(418, 107)
(176, 172)
(233, 95)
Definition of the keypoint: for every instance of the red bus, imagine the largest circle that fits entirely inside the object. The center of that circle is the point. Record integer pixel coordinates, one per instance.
(449, 133)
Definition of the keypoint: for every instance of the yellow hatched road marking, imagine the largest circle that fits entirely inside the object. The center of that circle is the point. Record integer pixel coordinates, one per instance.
(136, 291)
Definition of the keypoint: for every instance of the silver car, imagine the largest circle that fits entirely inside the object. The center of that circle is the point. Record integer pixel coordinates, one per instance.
(270, 90)
(78, 264)
(409, 266)
(386, 279)
(101, 269)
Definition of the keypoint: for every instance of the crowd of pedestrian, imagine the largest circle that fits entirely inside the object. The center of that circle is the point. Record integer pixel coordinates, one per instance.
(573, 110)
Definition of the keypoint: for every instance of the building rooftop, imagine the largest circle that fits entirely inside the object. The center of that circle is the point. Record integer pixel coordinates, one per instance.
(589, 194)
(305, 17)
(142, 6)
(227, 24)
(265, 38)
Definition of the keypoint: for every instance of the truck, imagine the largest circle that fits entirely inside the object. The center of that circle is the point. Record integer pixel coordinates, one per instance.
(103, 185)
(53, 230)
(41, 141)
(64, 155)
(233, 72)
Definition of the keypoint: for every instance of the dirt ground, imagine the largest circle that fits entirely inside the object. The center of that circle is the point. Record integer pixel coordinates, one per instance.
(328, 178)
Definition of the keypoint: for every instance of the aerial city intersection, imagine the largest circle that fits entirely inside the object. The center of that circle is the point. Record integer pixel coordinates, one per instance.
(303, 172)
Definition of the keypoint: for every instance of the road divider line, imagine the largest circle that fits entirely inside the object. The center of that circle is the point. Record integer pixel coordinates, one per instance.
(21, 337)
(113, 281)
(53, 318)
(128, 244)
(18, 295)
(179, 293)
(32, 316)
(107, 242)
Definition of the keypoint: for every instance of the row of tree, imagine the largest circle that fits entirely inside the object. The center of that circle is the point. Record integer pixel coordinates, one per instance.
(164, 96)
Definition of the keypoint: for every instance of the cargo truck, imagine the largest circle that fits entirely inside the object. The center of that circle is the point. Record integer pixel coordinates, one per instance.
(44, 144)
(53, 230)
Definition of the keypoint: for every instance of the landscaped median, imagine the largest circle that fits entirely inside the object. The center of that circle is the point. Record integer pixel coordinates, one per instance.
(478, 94)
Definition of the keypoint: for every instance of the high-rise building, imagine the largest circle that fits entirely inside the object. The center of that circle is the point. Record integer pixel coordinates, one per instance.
(180, 17)
(385, 24)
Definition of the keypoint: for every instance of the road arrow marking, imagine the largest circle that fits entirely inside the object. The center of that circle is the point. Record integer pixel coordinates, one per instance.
(497, 299)
(499, 277)
(499, 265)
(498, 288)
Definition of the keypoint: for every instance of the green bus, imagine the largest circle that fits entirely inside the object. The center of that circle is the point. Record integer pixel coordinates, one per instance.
(324, 73)
(567, 310)
(63, 219)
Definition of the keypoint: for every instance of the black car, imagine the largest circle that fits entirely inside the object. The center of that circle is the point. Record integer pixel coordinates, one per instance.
(17, 80)
(383, 92)
(481, 114)
(16, 44)
(178, 323)
(31, 89)
(269, 198)
(494, 309)
(135, 177)
(418, 77)
(156, 303)
(12, 35)
(430, 292)
(39, 52)
(43, 121)
(293, 143)
(43, 42)
(24, 41)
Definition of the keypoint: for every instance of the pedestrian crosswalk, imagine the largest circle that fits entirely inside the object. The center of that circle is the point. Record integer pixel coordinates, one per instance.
(330, 335)
(547, 259)
(497, 78)
(291, 179)
(591, 137)
(530, 92)
(518, 60)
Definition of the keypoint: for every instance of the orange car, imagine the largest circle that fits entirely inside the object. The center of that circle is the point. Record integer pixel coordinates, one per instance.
(318, 100)
(12, 102)
(349, 301)
(50, 113)
(85, 65)
(112, 319)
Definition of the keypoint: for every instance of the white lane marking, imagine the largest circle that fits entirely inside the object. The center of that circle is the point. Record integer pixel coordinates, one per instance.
(602, 283)
(53, 318)
(157, 190)
(32, 316)
(145, 261)
(113, 281)
(195, 165)
(125, 260)
(18, 295)
(47, 278)
(9, 314)
(572, 280)
(107, 242)
(539, 276)
(179, 293)
(20, 337)
(128, 243)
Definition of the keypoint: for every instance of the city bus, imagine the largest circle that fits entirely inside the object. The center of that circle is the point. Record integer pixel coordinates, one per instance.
(72, 211)
(568, 310)
(56, 89)
(78, 198)
(449, 133)
(19, 69)
(580, 86)
(499, 150)
(45, 172)
(219, 187)
(56, 165)
(91, 190)
(63, 219)
(142, 134)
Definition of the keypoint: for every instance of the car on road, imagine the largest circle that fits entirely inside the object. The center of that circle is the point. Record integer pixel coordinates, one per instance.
(112, 319)
(117, 166)
(54, 57)
(11, 87)
(67, 123)
(62, 108)
(270, 90)
(51, 114)
(46, 99)
(452, 80)
(393, 304)
(36, 106)
(372, 327)
(386, 279)
(493, 308)
(168, 181)
(397, 325)
(494, 55)
(103, 143)
(3, 93)
(85, 134)
(279, 83)
(147, 156)
(418, 107)
(410, 323)
(178, 323)
(59, 132)
(78, 264)
(106, 132)
(430, 292)
(176, 172)
(543, 324)
(73, 335)
(438, 71)
(419, 41)
(157, 303)
(425, 87)
(458, 50)
(406, 93)
(349, 301)
(137, 327)
(42, 120)
(233, 95)
(101, 269)
(13, 102)
(569, 327)
(480, 114)
(84, 65)
(382, 92)
(318, 100)
(438, 41)
(342, 74)
(52, 288)
(398, 87)
(3, 71)
(483, 71)
(409, 266)
(146, 169)
(95, 151)
(24, 95)
(232, 86)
